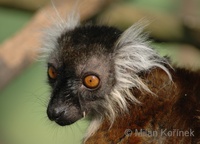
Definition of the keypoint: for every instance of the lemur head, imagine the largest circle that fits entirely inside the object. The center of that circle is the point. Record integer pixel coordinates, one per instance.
(81, 73)
(91, 70)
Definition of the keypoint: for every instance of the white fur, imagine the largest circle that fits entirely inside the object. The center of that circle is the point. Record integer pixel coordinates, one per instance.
(132, 55)
(52, 33)
(93, 127)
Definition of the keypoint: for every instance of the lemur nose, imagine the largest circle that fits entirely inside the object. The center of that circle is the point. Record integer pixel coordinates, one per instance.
(58, 114)
(54, 114)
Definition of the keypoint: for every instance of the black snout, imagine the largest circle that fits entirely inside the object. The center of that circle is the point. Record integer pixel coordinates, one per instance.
(58, 115)
(64, 114)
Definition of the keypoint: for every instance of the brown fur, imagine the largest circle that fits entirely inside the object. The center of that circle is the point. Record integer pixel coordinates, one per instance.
(176, 105)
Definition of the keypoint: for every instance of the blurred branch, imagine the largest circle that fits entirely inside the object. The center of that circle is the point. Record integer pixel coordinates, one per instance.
(24, 4)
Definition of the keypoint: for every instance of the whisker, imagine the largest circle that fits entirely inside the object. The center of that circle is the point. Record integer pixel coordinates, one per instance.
(57, 13)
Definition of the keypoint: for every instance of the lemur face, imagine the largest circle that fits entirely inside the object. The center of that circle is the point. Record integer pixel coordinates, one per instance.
(81, 73)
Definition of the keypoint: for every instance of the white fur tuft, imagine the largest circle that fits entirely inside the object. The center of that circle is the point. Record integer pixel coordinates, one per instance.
(52, 33)
(93, 127)
(133, 55)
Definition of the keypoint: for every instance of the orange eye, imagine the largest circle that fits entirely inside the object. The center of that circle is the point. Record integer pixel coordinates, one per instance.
(52, 72)
(91, 81)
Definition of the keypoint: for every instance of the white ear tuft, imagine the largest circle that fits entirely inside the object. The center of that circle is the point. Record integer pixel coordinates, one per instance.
(133, 55)
(52, 33)
(134, 34)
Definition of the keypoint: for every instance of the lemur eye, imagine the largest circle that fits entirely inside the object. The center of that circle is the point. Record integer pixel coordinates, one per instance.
(52, 72)
(91, 81)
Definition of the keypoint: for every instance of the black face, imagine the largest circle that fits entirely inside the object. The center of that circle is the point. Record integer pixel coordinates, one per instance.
(81, 73)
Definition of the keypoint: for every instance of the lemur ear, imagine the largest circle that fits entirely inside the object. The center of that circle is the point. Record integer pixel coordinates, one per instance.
(134, 34)
(60, 26)
(132, 55)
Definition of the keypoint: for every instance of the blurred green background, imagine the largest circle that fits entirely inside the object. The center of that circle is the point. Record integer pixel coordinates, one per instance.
(23, 102)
